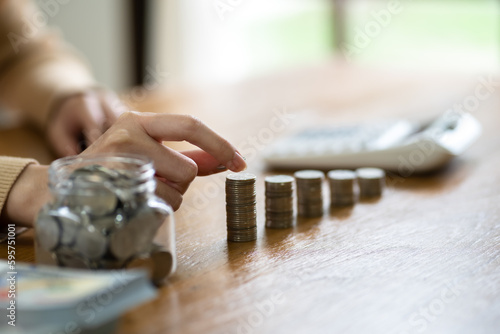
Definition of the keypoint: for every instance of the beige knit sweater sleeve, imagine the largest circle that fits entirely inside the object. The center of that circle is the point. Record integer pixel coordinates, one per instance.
(36, 70)
(36, 67)
(10, 170)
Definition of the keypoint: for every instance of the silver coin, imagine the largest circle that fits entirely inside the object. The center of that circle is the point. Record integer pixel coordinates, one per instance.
(279, 201)
(341, 174)
(95, 170)
(241, 177)
(278, 182)
(286, 193)
(93, 190)
(67, 257)
(136, 236)
(90, 243)
(149, 220)
(107, 224)
(308, 174)
(370, 173)
(234, 201)
(245, 235)
(240, 214)
(280, 213)
(120, 243)
(236, 188)
(310, 211)
(339, 201)
(280, 223)
(97, 202)
(88, 176)
(165, 240)
(48, 232)
(242, 226)
(309, 199)
(241, 218)
(69, 224)
(163, 261)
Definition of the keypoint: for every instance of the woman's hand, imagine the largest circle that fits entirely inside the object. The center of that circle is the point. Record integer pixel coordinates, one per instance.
(143, 133)
(139, 133)
(82, 118)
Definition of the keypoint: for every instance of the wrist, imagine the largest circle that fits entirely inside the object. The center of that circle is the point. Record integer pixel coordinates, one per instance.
(28, 194)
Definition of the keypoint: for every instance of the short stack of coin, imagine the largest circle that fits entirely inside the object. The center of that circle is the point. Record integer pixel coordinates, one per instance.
(341, 187)
(309, 193)
(279, 201)
(371, 182)
(241, 207)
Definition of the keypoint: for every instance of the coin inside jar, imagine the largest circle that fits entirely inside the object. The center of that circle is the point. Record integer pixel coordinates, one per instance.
(48, 232)
(91, 243)
(69, 224)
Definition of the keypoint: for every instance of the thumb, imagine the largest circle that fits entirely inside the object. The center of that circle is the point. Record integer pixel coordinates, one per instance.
(207, 164)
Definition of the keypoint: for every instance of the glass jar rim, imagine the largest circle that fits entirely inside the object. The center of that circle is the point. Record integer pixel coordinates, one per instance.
(144, 166)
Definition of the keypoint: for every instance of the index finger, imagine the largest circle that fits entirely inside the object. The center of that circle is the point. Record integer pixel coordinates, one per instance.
(168, 127)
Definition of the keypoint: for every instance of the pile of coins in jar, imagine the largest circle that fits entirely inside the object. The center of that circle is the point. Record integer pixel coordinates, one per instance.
(104, 219)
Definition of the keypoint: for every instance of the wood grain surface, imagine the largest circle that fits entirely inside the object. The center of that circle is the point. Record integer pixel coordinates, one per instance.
(424, 258)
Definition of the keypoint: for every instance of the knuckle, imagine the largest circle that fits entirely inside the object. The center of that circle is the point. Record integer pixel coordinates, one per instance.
(176, 202)
(127, 116)
(120, 138)
(190, 170)
(226, 147)
(192, 123)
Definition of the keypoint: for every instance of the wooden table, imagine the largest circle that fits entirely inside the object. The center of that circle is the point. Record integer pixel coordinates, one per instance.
(423, 258)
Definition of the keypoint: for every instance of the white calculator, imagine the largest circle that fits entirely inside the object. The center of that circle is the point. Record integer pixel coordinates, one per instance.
(395, 145)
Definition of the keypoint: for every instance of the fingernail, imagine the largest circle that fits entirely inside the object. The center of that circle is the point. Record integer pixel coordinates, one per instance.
(237, 164)
(221, 167)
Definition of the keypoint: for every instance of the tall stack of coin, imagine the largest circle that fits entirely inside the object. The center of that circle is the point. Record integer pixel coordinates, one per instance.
(371, 182)
(309, 193)
(341, 187)
(279, 201)
(241, 207)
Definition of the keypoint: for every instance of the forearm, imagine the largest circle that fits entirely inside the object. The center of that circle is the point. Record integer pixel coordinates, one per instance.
(28, 194)
(34, 86)
(38, 69)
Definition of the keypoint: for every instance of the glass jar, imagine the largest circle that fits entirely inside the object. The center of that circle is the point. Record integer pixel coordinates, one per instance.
(104, 214)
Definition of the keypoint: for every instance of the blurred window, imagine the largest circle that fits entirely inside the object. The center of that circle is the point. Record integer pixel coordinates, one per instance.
(443, 34)
(228, 40)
